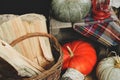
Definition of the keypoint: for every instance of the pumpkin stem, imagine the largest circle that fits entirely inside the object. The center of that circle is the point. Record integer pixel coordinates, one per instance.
(70, 51)
(117, 59)
(117, 64)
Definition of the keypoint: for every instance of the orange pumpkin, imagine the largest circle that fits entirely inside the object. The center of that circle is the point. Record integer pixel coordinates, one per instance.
(79, 55)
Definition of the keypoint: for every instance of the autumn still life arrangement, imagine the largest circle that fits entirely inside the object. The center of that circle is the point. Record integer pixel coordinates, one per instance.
(29, 52)
(95, 20)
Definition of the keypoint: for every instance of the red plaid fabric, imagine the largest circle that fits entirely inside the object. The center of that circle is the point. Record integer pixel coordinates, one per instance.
(106, 32)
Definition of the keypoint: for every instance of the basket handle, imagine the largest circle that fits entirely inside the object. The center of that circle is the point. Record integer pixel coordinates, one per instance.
(35, 34)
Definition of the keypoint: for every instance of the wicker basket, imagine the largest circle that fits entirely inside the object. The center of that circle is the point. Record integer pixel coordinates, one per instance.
(53, 73)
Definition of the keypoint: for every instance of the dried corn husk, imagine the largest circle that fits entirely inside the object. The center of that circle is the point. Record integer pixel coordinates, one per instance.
(38, 24)
(23, 65)
(36, 49)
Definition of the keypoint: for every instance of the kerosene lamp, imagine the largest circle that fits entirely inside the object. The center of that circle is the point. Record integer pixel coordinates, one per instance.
(100, 9)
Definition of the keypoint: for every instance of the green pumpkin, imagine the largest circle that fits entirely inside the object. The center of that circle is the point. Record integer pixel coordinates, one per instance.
(109, 69)
(70, 10)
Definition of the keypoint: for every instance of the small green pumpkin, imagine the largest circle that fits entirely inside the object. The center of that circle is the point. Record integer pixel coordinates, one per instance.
(109, 69)
(70, 10)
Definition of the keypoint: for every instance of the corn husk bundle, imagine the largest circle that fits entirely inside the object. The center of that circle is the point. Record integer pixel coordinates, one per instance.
(30, 56)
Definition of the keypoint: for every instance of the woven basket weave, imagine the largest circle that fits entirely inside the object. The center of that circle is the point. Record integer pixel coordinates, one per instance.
(54, 72)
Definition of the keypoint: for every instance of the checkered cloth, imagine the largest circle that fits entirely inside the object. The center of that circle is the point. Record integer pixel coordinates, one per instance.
(106, 32)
